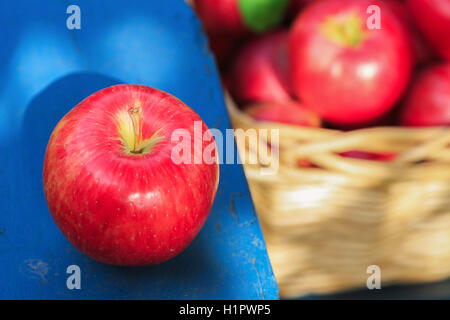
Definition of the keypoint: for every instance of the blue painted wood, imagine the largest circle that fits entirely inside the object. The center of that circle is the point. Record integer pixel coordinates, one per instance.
(46, 69)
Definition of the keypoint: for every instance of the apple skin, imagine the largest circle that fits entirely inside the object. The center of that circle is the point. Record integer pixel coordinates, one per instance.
(223, 48)
(221, 17)
(240, 17)
(433, 19)
(349, 84)
(289, 112)
(428, 101)
(260, 70)
(120, 208)
(296, 6)
(422, 51)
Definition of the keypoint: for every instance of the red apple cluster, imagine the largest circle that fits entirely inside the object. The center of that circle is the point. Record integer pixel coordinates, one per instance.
(338, 64)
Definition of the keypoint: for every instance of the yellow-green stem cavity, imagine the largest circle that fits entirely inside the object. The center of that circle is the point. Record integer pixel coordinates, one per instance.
(130, 127)
(347, 30)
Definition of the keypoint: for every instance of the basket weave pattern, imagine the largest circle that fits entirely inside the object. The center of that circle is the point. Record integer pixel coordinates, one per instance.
(326, 224)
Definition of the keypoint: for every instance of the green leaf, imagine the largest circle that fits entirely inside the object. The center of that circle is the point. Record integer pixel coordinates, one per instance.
(261, 15)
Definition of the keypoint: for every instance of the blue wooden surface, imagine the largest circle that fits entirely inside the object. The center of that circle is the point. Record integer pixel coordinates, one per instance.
(45, 70)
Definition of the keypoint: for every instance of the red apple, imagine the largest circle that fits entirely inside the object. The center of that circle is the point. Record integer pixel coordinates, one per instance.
(422, 51)
(110, 181)
(349, 74)
(238, 17)
(260, 71)
(428, 102)
(433, 19)
(289, 112)
(222, 47)
(220, 17)
(296, 6)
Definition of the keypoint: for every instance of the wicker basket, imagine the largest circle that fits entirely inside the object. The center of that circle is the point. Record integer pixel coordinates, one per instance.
(325, 224)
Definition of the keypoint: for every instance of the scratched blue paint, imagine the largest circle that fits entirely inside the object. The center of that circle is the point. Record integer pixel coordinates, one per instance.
(46, 69)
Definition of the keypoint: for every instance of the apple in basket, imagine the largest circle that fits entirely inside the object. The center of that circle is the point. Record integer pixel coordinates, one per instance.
(239, 17)
(296, 6)
(288, 112)
(260, 71)
(428, 102)
(433, 19)
(110, 179)
(422, 51)
(223, 47)
(349, 74)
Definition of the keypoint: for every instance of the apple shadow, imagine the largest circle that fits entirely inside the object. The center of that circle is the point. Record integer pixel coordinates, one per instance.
(46, 109)
(192, 272)
(38, 121)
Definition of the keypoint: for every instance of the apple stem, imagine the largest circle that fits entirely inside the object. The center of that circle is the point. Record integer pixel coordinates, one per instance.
(348, 31)
(136, 117)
